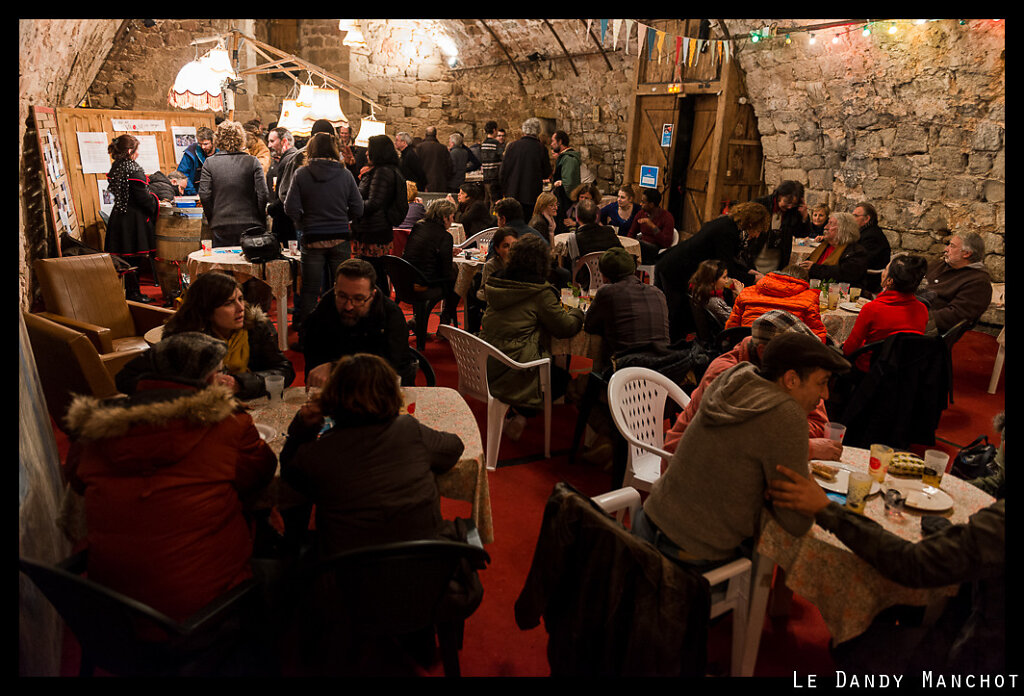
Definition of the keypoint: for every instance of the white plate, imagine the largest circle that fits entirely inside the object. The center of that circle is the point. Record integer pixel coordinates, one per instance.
(849, 306)
(921, 496)
(842, 482)
(266, 432)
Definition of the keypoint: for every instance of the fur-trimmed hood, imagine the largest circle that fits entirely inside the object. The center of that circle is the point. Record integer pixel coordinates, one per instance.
(153, 428)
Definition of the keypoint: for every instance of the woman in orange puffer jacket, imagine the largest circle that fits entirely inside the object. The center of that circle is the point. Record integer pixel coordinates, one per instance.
(787, 289)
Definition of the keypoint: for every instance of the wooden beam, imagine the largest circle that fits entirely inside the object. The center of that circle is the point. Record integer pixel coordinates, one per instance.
(522, 85)
(598, 44)
(564, 50)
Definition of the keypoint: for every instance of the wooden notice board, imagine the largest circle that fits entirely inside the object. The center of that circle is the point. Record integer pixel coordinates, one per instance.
(112, 122)
(54, 163)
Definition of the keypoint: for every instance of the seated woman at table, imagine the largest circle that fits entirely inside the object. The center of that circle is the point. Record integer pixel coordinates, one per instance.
(214, 306)
(524, 311)
(497, 257)
(620, 213)
(895, 310)
(819, 218)
(371, 472)
(416, 208)
(840, 256)
(430, 249)
(472, 212)
(712, 289)
(545, 213)
(583, 192)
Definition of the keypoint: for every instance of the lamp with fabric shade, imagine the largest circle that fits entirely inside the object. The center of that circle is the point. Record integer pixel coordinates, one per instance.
(327, 105)
(367, 129)
(293, 118)
(198, 84)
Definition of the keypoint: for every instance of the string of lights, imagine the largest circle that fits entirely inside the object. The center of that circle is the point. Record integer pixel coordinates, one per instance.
(845, 27)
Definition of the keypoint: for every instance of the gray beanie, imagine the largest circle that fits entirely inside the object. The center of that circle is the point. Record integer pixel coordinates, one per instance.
(187, 355)
(617, 263)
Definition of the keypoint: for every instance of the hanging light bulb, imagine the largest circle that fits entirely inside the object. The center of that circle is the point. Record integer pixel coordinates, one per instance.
(813, 39)
(754, 37)
(867, 31)
(892, 28)
(835, 39)
(788, 40)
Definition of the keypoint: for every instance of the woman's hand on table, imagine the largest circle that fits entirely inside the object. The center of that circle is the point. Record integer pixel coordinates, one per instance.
(798, 493)
(226, 380)
(318, 375)
(805, 264)
(823, 448)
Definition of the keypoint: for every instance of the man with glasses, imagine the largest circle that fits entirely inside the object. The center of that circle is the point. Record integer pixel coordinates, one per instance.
(356, 318)
(957, 286)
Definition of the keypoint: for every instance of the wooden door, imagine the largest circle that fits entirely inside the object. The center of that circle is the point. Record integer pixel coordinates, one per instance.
(699, 163)
(651, 115)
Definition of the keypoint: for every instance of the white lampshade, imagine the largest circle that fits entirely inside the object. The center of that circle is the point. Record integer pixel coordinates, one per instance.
(327, 105)
(293, 117)
(198, 83)
(367, 129)
(305, 97)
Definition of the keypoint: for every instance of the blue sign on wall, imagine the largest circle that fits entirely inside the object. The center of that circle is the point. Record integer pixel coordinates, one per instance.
(648, 176)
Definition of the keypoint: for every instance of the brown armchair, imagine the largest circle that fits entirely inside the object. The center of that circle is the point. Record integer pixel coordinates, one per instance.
(85, 294)
(68, 364)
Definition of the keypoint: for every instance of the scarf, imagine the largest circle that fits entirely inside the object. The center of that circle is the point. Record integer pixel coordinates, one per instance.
(121, 172)
(237, 358)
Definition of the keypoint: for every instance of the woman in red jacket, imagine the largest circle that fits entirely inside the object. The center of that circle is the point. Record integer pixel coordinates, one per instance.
(895, 310)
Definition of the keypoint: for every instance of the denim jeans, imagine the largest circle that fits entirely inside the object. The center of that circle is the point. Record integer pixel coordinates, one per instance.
(645, 529)
(313, 264)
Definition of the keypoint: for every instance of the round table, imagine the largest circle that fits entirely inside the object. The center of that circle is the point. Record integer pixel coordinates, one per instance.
(559, 248)
(848, 591)
(838, 323)
(801, 252)
(277, 274)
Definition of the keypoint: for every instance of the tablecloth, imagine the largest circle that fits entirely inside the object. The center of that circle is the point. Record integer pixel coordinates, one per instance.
(440, 408)
(847, 590)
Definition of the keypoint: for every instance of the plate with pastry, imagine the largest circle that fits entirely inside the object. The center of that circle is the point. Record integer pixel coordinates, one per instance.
(906, 464)
(835, 477)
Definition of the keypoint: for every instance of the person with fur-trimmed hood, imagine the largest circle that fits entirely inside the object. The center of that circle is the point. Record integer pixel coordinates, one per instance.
(214, 306)
(166, 474)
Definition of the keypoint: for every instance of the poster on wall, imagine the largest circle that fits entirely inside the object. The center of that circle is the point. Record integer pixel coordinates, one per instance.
(106, 196)
(666, 135)
(92, 150)
(183, 137)
(648, 176)
(149, 157)
(135, 125)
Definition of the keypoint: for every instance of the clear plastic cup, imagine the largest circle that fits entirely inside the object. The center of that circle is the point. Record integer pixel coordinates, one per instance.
(935, 462)
(835, 431)
(858, 491)
(878, 465)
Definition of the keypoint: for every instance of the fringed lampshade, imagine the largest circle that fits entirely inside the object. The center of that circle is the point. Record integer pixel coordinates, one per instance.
(198, 84)
(327, 105)
(367, 129)
(293, 117)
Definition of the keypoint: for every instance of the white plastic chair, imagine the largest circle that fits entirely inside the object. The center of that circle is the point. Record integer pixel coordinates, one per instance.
(736, 598)
(636, 397)
(471, 354)
(481, 236)
(591, 261)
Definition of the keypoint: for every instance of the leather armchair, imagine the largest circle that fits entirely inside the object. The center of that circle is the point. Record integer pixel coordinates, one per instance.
(68, 364)
(85, 294)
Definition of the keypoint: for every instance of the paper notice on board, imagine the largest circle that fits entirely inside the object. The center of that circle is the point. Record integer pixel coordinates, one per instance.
(183, 137)
(92, 150)
(134, 125)
(106, 196)
(149, 157)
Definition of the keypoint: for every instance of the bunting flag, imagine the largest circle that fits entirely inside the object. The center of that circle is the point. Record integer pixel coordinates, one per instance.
(616, 25)
(604, 29)
(650, 44)
(687, 50)
(629, 26)
(641, 32)
(693, 49)
(677, 75)
(661, 41)
(589, 23)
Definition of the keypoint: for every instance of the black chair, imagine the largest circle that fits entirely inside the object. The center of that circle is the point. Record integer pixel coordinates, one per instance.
(423, 365)
(900, 400)
(728, 339)
(954, 334)
(412, 288)
(396, 590)
(110, 627)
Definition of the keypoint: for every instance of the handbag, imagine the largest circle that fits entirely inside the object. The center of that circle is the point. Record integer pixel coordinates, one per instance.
(259, 245)
(975, 460)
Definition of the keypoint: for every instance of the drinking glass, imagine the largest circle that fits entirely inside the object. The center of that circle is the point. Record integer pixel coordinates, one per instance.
(894, 503)
(854, 294)
(881, 455)
(835, 431)
(275, 387)
(833, 297)
(934, 467)
(858, 491)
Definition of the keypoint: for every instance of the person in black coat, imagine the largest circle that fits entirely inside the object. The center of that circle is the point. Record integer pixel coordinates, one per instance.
(131, 230)
(472, 212)
(385, 204)
(723, 238)
(875, 243)
(410, 164)
(524, 166)
(789, 218)
(430, 250)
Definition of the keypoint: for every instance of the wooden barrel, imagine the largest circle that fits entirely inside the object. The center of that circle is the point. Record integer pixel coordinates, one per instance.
(176, 238)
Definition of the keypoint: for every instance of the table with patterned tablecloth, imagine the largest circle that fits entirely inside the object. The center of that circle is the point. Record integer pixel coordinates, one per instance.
(558, 247)
(838, 323)
(277, 274)
(467, 269)
(848, 591)
(801, 252)
(439, 408)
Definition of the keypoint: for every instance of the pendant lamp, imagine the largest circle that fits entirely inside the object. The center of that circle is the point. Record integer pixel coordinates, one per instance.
(198, 84)
(293, 118)
(368, 128)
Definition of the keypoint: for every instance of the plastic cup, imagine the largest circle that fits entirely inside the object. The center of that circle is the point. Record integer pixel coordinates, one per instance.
(835, 431)
(858, 491)
(935, 462)
(293, 246)
(844, 289)
(275, 387)
(833, 297)
(881, 455)
(207, 247)
(854, 294)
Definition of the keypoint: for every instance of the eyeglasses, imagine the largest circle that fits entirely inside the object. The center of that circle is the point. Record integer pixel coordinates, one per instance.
(357, 300)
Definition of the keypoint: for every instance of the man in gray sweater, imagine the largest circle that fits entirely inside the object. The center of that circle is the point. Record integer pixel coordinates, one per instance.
(706, 507)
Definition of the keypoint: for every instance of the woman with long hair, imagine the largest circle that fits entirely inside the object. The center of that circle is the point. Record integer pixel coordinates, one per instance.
(580, 193)
(711, 288)
(839, 257)
(621, 212)
(213, 305)
(545, 213)
(323, 199)
(472, 212)
(371, 472)
(385, 205)
(131, 230)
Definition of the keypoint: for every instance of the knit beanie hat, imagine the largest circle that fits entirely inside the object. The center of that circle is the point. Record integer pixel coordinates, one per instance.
(774, 322)
(188, 355)
(322, 126)
(617, 263)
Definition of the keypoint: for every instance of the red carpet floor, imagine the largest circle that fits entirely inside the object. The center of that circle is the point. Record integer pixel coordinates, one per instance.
(519, 488)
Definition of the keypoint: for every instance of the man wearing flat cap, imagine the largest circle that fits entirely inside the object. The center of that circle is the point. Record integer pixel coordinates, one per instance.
(627, 314)
(705, 509)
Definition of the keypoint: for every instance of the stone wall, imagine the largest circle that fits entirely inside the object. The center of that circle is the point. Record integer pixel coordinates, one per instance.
(913, 122)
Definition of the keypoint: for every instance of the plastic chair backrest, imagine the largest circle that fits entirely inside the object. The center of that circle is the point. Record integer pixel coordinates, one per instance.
(637, 396)
(591, 261)
(471, 354)
(481, 236)
(404, 276)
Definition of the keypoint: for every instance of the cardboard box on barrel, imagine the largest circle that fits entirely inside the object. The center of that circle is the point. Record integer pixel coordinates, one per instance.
(179, 231)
